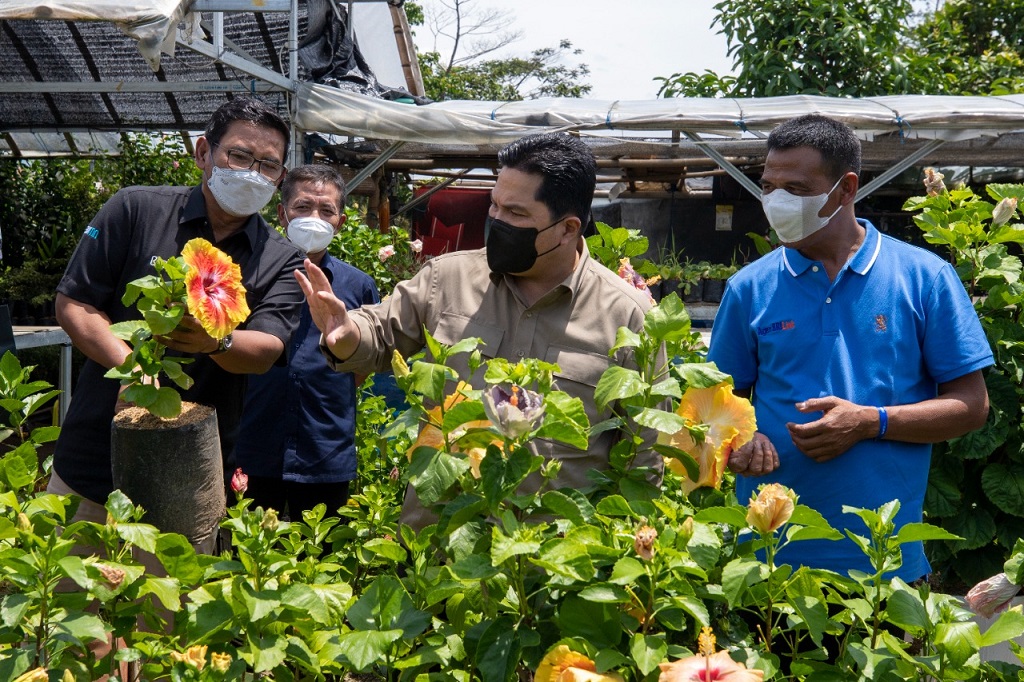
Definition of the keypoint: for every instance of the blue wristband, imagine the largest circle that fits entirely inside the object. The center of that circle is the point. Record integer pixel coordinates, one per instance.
(883, 423)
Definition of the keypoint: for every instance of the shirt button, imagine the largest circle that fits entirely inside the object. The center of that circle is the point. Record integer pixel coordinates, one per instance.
(529, 314)
(520, 354)
(828, 300)
(814, 269)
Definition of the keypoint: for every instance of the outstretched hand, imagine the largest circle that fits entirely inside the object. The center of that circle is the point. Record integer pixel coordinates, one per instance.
(842, 425)
(328, 311)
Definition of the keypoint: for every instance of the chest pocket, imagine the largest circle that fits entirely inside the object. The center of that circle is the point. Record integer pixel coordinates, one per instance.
(578, 367)
(452, 328)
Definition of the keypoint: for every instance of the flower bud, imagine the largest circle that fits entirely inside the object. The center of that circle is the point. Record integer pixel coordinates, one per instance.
(195, 657)
(933, 182)
(771, 508)
(68, 676)
(550, 469)
(399, 366)
(220, 662)
(112, 575)
(991, 596)
(686, 529)
(1004, 210)
(239, 482)
(643, 542)
(36, 675)
(24, 523)
(269, 521)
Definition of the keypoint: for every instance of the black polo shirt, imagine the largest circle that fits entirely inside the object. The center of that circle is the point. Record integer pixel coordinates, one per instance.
(134, 227)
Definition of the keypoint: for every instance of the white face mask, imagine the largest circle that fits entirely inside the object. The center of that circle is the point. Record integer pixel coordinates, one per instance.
(240, 192)
(793, 217)
(309, 233)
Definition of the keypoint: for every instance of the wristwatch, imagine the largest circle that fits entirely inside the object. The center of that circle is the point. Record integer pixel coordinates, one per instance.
(223, 345)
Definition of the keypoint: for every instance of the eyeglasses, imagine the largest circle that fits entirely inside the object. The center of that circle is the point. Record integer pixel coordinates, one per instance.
(243, 160)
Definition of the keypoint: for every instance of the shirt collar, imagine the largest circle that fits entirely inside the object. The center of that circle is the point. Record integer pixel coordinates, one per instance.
(195, 209)
(795, 263)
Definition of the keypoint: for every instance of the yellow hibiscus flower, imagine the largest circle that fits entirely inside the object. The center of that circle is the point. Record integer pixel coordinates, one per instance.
(730, 421)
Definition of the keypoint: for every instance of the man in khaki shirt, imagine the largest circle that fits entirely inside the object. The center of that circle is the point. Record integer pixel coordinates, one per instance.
(533, 292)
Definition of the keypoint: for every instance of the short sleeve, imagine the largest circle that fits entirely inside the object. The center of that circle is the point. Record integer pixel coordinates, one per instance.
(954, 341)
(277, 310)
(94, 270)
(733, 348)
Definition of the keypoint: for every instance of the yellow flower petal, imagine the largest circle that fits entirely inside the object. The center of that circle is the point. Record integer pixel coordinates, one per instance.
(213, 282)
(562, 664)
(731, 424)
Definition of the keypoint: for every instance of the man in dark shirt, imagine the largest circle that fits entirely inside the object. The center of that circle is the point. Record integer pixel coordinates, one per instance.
(297, 437)
(242, 157)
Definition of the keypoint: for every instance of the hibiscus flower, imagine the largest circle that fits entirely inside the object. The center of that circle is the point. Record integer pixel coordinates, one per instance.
(730, 421)
(562, 664)
(213, 282)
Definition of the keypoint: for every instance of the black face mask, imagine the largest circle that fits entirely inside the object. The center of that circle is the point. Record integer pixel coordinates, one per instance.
(512, 249)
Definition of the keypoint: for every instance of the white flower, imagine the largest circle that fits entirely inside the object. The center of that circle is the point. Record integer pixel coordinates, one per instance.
(416, 246)
(386, 252)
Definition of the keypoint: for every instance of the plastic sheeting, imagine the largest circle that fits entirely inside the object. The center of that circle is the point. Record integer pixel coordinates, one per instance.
(150, 22)
(329, 110)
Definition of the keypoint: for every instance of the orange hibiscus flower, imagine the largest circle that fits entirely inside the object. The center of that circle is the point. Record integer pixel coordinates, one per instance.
(562, 664)
(213, 282)
(731, 424)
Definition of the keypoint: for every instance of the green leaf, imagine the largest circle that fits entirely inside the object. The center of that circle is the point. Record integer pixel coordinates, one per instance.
(82, 626)
(615, 505)
(167, 590)
(561, 505)
(606, 593)
(732, 516)
(498, 652)
(813, 612)
(364, 648)
(905, 609)
(618, 383)
(429, 379)
(701, 374)
(174, 551)
(565, 420)
(1004, 485)
(976, 528)
(127, 329)
(589, 621)
(167, 403)
(737, 576)
(389, 549)
(916, 532)
(267, 652)
(660, 420)
(432, 473)
(704, 546)
(1009, 625)
(648, 651)
(958, 641)
(626, 571)
(504, 547)
(668, 321)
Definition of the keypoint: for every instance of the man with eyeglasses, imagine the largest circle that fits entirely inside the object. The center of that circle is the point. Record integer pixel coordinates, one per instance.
(242, 157)
(297, 437)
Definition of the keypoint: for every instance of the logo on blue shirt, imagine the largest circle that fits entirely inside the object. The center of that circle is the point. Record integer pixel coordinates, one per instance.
(93, 232)
(784, 325)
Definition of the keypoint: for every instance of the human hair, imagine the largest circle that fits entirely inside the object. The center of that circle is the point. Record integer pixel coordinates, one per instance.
(249, 109)
(566, 166)
(834, 140)
(316, 173)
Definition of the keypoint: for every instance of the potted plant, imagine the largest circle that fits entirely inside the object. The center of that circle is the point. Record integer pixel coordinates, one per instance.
(166, 454)
(714, 281)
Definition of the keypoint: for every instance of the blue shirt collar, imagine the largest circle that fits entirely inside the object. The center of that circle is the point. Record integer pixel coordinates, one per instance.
(795, 263)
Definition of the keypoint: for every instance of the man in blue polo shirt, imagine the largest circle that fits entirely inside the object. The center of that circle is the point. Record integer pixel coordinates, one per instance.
(858, 350)
(296, 441)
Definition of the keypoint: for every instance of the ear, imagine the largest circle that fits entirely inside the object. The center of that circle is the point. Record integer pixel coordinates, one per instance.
(281, 217)
(341, 220)
(573, 229)
(202, 152)
(848, 187)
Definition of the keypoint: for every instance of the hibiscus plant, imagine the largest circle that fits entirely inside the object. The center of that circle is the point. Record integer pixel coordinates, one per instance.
(203, 282)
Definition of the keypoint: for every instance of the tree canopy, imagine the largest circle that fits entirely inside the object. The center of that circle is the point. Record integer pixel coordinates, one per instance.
(863, 48)
(460, 66)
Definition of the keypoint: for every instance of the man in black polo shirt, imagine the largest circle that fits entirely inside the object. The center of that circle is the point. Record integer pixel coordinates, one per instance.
(242, 158)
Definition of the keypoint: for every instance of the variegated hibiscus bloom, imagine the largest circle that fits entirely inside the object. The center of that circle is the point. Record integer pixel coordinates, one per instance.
(562, 664)
(515, 412)
(431, 435)
(213, 282)
(731, 424)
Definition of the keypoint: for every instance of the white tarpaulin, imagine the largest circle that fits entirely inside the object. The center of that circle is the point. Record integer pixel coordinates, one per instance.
(151, 22)
(329, 110)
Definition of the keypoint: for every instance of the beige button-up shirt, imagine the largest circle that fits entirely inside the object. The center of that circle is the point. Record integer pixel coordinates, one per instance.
(456, 296)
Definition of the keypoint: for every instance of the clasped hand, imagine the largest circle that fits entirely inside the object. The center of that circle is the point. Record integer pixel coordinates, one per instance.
(841, 426)
(189, 337)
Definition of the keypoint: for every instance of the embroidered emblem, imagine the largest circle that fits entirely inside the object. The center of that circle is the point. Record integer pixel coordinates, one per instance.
(880, 323)
(92, 232)
(784, 325)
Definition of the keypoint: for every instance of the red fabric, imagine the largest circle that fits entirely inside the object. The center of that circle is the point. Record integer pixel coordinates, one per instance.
(452, 234)
(435, 246)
